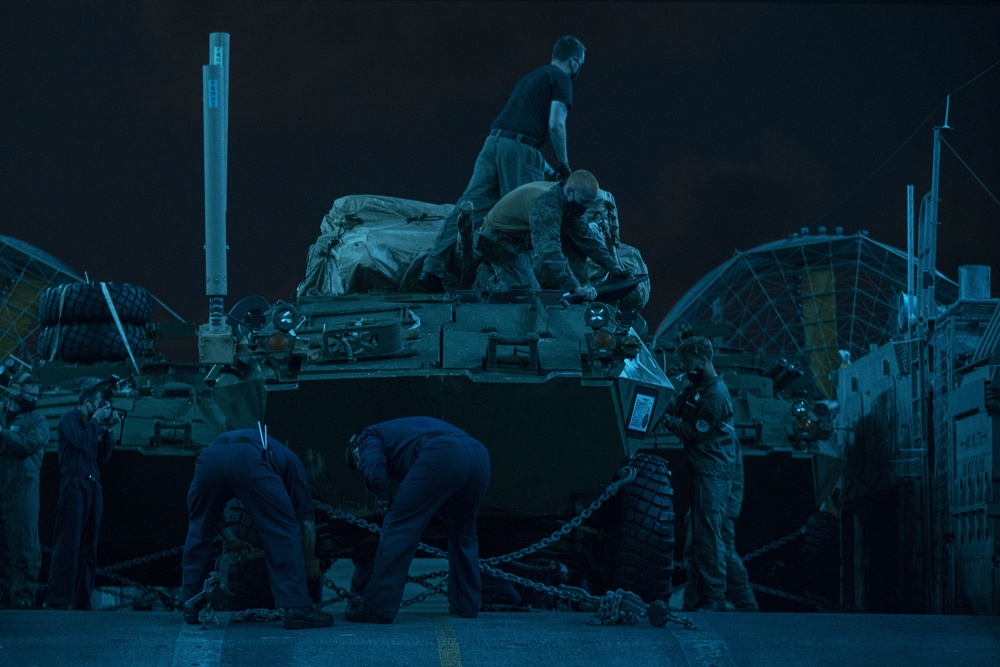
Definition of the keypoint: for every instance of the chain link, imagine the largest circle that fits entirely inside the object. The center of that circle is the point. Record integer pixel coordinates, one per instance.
(780, 542)
(608, 607)
(259, 615)
(627, 474)
(140, 560)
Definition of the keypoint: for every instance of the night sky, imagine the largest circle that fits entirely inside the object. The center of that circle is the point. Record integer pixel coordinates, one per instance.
(717, 127)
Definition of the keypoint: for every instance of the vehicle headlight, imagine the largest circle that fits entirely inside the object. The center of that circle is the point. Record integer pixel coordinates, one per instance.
(597, 315)
(603, 344)
(284, 318)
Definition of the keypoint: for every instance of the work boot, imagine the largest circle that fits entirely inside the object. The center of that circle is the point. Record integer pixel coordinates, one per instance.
(190, 612)
(431, 283)
(300, 618)
(463, 614)
(710, 605)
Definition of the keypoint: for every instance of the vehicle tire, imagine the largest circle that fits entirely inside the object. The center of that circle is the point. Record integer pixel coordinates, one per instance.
(645, 559)
(85, 302)
(94, 341)
(248, 586)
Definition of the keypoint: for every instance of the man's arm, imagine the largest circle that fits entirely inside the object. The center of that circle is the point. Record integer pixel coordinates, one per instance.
(706, 423)
(229, 537)
(26, 443)
(557, 131)
(552, 267)
(591, 245)
(374, 466)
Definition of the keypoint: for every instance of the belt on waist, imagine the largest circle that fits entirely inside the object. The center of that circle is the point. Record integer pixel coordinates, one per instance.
(524, 139)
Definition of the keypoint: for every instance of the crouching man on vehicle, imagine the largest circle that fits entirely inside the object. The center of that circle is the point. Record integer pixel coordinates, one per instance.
(269, 479)
(440, 469)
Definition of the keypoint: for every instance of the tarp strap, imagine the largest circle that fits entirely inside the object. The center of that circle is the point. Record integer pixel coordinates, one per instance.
(118, 323)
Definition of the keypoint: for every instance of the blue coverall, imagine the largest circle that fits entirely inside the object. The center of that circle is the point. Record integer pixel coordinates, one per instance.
(23, 436)
(84, 447)
(275, 490)
(440, 468)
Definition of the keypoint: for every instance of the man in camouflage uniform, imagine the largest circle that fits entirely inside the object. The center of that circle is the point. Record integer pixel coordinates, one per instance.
(737, 580)
(702, 417)
(536, 237)
(23, 436)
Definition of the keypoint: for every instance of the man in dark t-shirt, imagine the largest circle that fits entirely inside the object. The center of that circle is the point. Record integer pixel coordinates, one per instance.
(535, 114)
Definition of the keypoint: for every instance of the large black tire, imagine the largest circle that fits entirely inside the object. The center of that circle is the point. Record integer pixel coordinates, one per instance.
(645, 560)
(85, 302)
(248, 586)
(95, 341)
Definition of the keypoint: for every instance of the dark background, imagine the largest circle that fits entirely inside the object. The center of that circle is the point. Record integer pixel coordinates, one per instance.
(716, 126)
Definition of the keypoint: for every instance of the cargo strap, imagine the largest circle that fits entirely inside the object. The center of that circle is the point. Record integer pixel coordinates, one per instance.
(118, 323)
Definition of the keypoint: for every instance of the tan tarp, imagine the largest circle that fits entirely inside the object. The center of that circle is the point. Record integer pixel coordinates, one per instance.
(371, 242)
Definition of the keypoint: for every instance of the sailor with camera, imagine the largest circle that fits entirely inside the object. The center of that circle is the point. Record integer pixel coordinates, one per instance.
(85, 444)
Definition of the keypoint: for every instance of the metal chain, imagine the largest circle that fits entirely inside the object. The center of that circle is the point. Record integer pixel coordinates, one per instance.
(259, 615)
(608, 606)
(432, 590)
(788, 596)
(780, 542)
(140, 560)
(626, 473)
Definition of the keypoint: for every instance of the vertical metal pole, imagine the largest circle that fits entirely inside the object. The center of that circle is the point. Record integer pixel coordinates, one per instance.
(216, 343)
(909, 240)
(929, 310)
(909, 254)
(216, 117)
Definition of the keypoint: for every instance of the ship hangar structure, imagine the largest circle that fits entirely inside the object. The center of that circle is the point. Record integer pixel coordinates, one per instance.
(890, 417)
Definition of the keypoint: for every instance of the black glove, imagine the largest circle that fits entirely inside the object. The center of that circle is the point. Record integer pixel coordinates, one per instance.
(383, 509)
(562, 171)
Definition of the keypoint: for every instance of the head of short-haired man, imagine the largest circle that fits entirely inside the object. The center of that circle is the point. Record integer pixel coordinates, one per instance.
(568, 54)
(696, 355)
(581, 190)
(92, 403)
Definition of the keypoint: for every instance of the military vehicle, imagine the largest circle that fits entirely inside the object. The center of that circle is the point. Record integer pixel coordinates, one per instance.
(563, 394)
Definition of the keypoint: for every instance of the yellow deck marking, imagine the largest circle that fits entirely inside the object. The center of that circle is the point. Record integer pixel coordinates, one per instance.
(447, 643)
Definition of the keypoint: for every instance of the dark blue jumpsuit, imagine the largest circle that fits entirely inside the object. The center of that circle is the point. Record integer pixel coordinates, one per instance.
(440, 468)
(275, 491)
(84, 447)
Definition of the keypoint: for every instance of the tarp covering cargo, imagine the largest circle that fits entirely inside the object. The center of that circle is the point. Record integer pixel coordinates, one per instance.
(376, 243)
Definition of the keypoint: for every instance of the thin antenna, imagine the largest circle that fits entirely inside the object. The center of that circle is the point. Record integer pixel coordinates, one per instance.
(947, 105)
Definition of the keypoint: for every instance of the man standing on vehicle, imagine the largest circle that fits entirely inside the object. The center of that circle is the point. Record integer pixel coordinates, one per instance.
(270, 481)
(85, 445)
(23, 436)
(702, 417)
(536, 237)
(440, 468)
(535, 114)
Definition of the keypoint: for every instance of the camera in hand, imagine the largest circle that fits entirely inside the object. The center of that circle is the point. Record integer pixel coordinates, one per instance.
(116, 415)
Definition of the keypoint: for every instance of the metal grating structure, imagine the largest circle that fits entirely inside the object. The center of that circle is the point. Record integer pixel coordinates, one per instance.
(25, 272)
(809, 296)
